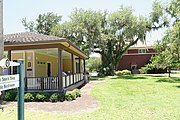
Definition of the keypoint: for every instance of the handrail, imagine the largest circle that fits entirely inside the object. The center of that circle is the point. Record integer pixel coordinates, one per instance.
(51, 83)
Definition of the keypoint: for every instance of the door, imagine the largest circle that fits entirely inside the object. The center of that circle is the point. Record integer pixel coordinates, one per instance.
(14, 68)
(48, 69)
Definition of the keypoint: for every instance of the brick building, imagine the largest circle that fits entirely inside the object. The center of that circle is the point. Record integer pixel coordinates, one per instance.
(136, 57)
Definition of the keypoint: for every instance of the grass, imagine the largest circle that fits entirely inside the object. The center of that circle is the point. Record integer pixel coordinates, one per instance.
(134, 97)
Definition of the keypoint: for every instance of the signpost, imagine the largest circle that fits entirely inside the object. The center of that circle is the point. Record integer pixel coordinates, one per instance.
(14, 81)
(9, 82)
(1, 34)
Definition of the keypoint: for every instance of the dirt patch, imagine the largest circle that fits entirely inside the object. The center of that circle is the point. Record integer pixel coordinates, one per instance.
(85, 103)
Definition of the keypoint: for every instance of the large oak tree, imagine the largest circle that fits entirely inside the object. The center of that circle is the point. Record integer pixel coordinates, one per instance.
(109, 34)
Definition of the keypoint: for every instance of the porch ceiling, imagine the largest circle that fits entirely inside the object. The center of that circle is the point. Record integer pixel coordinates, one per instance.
(27, 41)
(54, 52)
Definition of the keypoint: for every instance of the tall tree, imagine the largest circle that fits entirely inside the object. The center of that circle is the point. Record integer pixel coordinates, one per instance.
(123, 30)
(168, 48)
(112, 34)
(109, 34)
(84, 28)
(43, 24)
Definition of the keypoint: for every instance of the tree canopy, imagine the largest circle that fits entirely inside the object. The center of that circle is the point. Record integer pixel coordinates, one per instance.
(109, 34)
(43, 24)
(168, 48)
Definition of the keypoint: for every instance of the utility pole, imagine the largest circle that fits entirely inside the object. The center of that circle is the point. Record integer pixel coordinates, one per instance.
(1, 35)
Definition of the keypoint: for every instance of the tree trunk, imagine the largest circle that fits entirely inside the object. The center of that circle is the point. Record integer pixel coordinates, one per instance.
(169, 71)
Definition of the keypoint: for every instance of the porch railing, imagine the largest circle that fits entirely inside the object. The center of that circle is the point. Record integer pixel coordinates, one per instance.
(51, 83)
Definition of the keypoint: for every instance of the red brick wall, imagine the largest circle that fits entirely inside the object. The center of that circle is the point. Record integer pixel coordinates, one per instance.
(139, 59)
(132, 51)
(150, 51)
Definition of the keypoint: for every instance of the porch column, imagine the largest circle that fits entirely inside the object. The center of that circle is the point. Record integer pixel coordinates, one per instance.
(80, 68)
(79, 65)
(60, 81)
(84, 66)
(72, 62)
(85, 76)
(9, 57)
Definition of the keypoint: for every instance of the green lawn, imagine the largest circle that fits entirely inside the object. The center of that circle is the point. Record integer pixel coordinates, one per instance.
(138, 97)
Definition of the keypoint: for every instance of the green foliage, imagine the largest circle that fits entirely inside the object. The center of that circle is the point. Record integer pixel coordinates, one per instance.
(123, 72)
(44, 23)
(168, 48)
(42, 97)
(77, 92)
(69, 96)
(93, 64)
(29, 97)
(16, 98)
(55, 97)
(72, 95)
(143, 70)
(112, 33)
(10, 95)
(173, 9)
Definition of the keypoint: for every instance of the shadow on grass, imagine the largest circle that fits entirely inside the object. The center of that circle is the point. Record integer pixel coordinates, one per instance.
(130, 77)
(96, 78)
(154, 75)
(178, 86)
(169, 80)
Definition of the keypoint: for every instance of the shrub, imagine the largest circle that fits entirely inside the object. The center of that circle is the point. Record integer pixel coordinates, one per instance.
(123, 72)
(10, 95)
(28, 97)
(41, 97)
(77, 92)
(55, 97)
(143, 70)
(68, 96)
(72, 95)
(16, 98)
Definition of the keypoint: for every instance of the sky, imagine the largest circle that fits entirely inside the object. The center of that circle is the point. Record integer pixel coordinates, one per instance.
(15, 10)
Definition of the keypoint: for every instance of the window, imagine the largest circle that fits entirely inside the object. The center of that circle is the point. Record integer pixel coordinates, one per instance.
(29, 65)
(133, 67)
(141, 51)
(15, 68)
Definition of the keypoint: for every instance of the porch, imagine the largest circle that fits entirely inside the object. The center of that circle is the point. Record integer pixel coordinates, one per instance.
(45, 60)
(50, 84)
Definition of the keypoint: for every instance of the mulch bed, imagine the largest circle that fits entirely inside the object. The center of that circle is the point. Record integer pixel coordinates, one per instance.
(85, 103)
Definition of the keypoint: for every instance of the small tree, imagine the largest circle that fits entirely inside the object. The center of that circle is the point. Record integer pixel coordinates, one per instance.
(168, 48)
(93, 64)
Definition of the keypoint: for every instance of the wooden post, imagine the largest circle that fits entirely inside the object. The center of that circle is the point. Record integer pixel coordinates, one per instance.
(60, 82)
(42, 83)
(72, 62)
(80, 68)
(65, 81)
(9, 57)
(1, 35)
(79, 65)
(84, 66)
(85, 76)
